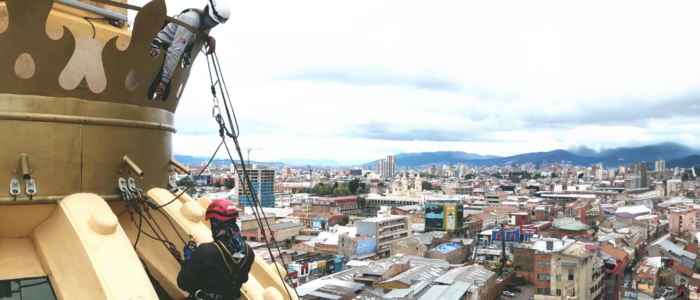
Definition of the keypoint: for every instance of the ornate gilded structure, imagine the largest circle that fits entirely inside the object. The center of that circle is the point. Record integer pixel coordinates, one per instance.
(74, 118)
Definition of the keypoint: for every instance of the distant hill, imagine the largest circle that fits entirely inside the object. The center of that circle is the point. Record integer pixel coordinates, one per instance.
(609, 158)
(667, 151)
(197, 160)
(685, 162)
(435, 158)
(190, 160)
(311, 162)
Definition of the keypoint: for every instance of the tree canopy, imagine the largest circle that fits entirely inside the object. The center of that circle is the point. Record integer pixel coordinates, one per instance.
(346, 188)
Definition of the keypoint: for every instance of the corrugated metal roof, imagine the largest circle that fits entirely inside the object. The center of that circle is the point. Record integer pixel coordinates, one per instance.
(447, 292)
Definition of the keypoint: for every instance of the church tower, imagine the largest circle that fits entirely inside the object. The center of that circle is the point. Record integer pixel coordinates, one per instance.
(418, 184)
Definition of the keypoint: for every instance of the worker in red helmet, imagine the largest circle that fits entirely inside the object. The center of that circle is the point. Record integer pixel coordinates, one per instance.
(217, 270)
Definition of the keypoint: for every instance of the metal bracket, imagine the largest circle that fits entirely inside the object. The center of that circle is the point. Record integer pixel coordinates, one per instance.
(123, 188)
(15, 188)
(30, 188)
(172, 184)
(133, 188)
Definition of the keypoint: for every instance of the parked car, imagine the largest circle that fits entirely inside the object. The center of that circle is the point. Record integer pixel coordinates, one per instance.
(511, 287)
(508, 294)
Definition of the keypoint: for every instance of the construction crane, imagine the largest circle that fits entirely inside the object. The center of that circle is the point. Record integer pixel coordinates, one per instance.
(251, 149)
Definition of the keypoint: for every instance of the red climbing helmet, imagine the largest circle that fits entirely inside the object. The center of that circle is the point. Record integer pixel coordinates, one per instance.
(222, 210)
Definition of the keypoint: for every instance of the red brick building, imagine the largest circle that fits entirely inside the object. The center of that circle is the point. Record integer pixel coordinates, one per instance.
(542, 273)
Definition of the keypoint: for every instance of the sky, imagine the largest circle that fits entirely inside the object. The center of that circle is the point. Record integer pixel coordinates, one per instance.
(353, 81)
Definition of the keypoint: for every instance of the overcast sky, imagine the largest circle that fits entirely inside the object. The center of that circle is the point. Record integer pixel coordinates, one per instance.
(353, 81)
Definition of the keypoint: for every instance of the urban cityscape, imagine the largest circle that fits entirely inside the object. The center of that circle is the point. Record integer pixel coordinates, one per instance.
(521, 230)
(354, 150)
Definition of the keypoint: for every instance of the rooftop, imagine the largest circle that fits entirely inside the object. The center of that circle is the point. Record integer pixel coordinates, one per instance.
(469, 274)
(447, 248)
(616, 252)
(383, 219)
(427, 238)
(447, 292)
(286, 225)
(329, 288)
(645, 270)
(633, 210)
(426, 273)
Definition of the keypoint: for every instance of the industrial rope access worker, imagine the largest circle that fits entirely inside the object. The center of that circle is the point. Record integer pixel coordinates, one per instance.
(177, 40)
(217, 270)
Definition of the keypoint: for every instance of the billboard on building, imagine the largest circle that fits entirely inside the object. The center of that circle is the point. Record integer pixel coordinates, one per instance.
(450, 216)
(435, 216)
(444, 217)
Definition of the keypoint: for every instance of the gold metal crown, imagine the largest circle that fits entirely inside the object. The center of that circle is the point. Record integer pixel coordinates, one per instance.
(52, 49)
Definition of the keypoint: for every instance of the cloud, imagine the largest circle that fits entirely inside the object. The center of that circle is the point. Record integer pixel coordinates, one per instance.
(409, 131)
(359, 80)
(374, 77)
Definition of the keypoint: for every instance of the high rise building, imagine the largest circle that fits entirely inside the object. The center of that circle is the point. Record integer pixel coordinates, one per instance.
(263, 182)
(463, 169)
(390, 166)
(635, 168)
(381, 168)
(599, 174)
(624, 169)
(660, 165)
(644, 175)
(431, 170)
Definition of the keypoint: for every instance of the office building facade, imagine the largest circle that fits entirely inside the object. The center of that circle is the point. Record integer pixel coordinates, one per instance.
(263, 182)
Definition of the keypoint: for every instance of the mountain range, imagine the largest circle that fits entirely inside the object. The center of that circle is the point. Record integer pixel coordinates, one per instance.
(676, 155)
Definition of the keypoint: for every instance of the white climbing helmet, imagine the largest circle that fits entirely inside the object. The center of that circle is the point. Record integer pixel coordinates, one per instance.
(219, 10)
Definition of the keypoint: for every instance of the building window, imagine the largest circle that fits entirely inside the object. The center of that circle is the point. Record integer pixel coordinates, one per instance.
(559, 278)
(539, 291)
(546, 291)
(547, 263)
(550, 245)
(547, 277)
(539, 262)
(539, 277)
(571, 276)
(558, 292)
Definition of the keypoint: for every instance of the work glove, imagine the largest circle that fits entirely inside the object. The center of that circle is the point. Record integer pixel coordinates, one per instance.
(189, 248)
(187, 252)
(155, 47)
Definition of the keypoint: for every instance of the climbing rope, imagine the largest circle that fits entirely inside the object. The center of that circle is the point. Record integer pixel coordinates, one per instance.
(136, 202)
(233, 132)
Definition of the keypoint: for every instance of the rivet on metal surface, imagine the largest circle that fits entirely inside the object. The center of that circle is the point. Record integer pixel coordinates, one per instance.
(14, 171)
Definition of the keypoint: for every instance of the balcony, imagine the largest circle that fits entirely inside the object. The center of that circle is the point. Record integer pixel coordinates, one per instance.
(569, 264)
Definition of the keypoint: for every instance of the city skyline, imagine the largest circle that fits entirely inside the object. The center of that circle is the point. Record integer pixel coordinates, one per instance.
(487, 78)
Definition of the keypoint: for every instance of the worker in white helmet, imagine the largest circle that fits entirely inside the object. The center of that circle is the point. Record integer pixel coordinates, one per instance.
(177, 40)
